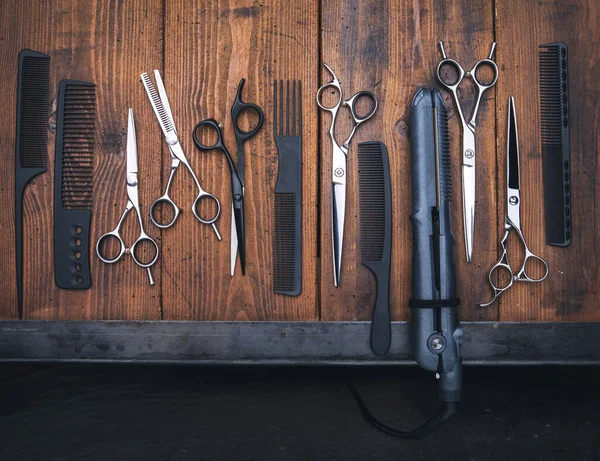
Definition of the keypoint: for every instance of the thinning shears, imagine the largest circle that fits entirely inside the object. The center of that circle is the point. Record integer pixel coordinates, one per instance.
(340, 154)
(512, 219)
(132, 203)
(237, 175)
(468, 130)
(162, 110)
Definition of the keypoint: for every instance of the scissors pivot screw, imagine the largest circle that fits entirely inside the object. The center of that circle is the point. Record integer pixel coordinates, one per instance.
(339, 172)
(436, 344)
(469, 153)
(513, 200)
(237, 197)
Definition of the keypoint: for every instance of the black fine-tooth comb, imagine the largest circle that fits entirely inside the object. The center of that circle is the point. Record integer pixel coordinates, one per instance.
(75, 139)
(375, 203)
(287, 235)
(31, 140)
(554, 115)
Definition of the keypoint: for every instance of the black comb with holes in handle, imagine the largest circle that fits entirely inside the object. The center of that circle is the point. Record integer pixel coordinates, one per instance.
(287, 235)
(75, 140)
(554, 120)
(375, 204)
(31, 140)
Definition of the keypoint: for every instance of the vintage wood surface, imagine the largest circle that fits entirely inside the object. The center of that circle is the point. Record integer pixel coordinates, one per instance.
(202, 49)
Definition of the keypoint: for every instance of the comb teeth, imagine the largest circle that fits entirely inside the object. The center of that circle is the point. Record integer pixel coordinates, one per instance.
(444, 153)
(157, 104)
(372, 203)
(284, 245)
(553, 92)
(33, 114)
(78, 141)
(554, 122)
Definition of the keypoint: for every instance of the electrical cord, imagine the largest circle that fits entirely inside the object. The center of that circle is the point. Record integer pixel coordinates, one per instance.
(447, 411)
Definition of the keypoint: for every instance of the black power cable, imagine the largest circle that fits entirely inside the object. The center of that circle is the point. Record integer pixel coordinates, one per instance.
(446, 413)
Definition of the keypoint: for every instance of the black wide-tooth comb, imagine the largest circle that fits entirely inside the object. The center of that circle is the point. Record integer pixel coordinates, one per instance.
(375, 203)
(31, 140)
(287, 234)
(554, 115)
(75, 140)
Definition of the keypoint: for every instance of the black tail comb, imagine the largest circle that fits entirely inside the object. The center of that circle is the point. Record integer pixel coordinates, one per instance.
(31, 139)
(554, 115)
(75, 139)
(375, 203)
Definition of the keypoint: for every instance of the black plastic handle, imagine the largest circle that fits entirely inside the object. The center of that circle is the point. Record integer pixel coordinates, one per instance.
(240, 106)
(237, 189)
(354, 100)
(381, 332)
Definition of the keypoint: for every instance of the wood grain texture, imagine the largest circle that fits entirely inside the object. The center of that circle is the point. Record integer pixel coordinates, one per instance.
(203, 49)
(570, 293)
(390, 48)
(209, 47)
(106, 43)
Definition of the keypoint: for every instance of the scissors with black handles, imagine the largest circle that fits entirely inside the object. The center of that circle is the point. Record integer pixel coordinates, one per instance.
(512, 219)
(468, 130)
(340, 153)
(162, 110)
(237, 174)
(132, 203)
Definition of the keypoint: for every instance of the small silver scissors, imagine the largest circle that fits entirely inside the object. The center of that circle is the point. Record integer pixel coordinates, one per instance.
(162, 110)
(512, 219)
(132, 203)
(468, 133)
(339, 163)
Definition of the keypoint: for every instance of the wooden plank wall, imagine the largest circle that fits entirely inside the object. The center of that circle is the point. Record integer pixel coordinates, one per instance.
(389, 47)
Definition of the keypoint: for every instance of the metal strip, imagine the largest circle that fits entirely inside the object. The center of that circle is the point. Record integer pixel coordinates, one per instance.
(285, 343)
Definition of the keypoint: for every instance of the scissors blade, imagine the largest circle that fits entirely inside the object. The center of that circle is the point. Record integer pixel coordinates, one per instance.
(237, 236)
(164, 116)
(468, 185)
(160, 86)
(512, 167)
(338, 215)
(512, 147)
(132, 161)
(132, 165)
(234, 241)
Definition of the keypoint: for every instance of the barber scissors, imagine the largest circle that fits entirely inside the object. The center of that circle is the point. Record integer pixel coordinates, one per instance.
(162, 110)
(340, 154)
(237, 175)
(132, 203)
(512, 219)
(468, 133)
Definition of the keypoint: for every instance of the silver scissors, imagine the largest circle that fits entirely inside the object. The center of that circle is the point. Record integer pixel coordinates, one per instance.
(512, 219)
(468, 133)
(340, 154)
(132, 203)
(162, 110)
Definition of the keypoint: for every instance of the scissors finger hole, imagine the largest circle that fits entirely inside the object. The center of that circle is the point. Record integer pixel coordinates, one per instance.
(329, 96)
(207, 208)
(501, 277)
(145, 252)
(247, 120)
(486, 73)
(449, 72)
(163, 213)
(535, 269)
(364, 105)
(109, 248)
(206, 135)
